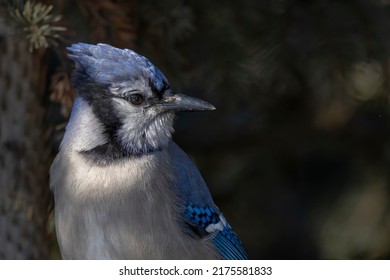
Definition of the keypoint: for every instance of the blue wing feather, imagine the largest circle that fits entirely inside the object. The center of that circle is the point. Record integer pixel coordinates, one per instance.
(210, 221)
(202, 219)
(229, 246)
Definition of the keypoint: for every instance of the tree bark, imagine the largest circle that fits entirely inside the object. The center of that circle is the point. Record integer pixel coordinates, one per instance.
(24, 151)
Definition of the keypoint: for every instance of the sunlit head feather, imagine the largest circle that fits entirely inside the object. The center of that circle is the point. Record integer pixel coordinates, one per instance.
(108, 65)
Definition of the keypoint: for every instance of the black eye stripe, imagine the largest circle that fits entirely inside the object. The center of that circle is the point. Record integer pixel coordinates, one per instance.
(165, 87)
(159, 91)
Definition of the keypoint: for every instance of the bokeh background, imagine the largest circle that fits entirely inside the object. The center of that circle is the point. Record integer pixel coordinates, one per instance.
(297, 153)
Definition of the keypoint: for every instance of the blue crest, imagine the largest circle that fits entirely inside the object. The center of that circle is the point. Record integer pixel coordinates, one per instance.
(105, 65)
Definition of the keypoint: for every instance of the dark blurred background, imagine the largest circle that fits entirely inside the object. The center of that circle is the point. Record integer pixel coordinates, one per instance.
(297, 153)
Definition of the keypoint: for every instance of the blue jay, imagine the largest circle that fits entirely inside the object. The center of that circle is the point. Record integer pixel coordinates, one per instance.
(123, 189)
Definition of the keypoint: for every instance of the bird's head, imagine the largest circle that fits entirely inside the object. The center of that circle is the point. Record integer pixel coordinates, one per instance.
(129, 96)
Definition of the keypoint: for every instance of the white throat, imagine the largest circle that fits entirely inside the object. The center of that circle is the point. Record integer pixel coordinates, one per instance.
(84, 131)
(150, 132)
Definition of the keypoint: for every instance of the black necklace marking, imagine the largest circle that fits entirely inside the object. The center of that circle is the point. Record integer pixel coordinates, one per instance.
(105, 154)
(111, 153)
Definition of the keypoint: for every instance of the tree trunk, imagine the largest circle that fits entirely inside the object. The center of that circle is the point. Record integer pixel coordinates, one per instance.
(23, 151)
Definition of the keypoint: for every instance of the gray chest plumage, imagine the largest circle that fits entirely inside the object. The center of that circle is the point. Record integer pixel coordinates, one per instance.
(126, 210)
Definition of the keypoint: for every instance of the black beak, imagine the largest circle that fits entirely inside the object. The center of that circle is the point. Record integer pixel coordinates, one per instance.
(181, 102)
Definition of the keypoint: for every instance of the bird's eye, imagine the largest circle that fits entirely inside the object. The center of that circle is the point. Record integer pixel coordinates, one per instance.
(136, 99)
